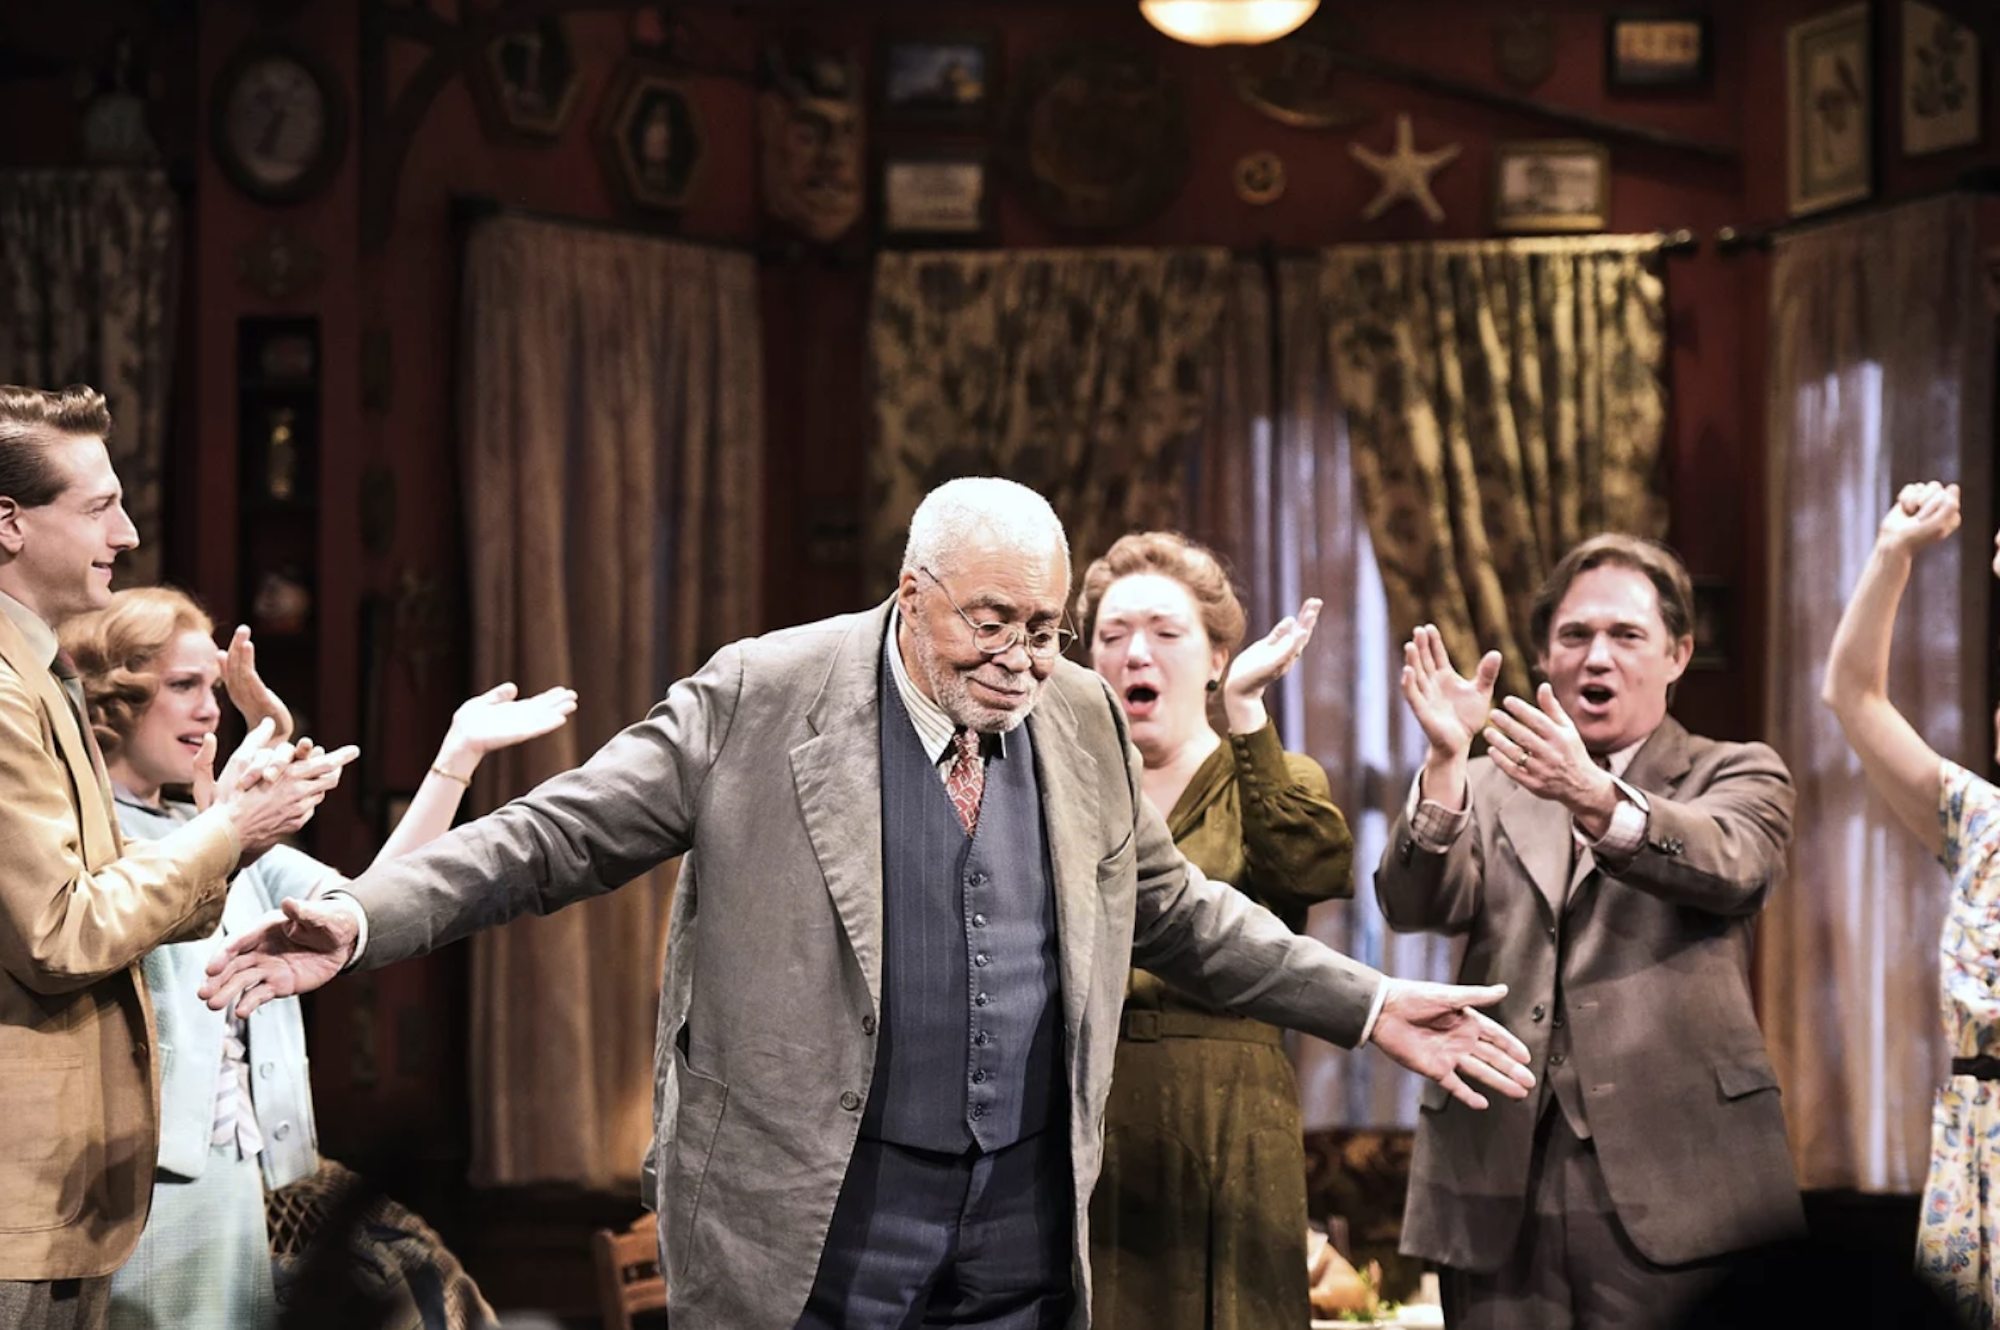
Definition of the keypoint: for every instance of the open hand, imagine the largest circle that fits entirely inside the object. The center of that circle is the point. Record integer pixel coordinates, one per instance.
(1450, 707)
(247, 690)
(293, 950)
(1434, 1030)
(498, 718)
(1266, 660)
(1539, 748)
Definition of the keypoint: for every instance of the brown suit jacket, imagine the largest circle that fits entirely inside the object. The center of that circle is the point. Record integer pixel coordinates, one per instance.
(1654, 966)
(79, 1079)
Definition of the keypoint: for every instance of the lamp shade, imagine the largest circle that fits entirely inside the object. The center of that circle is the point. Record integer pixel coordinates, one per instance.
(1226, 22)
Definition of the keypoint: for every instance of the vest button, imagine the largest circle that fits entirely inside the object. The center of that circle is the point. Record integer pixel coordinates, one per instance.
(979, 1077)
(1539, 1012)
(979, 921)
(1558, 1022)
(849, 1100)
(982, 1039)
(1555, 1059)
(980, 959)
(868, 1025)
(978, 1112)
(284, 1130)
(980, 1000)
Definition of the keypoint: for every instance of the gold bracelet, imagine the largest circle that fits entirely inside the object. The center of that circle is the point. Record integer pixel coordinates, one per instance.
(437, 770)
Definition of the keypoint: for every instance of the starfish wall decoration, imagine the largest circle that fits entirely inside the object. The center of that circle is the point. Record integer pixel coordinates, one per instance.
(1406, 173)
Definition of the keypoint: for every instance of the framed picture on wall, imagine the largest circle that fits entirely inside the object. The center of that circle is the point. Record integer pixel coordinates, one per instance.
(1551, 185)
(937, 79)
(525, 83)
(1830, 110)
(649, 139)
(1943, 82)
(1656, 50)
(936, 196)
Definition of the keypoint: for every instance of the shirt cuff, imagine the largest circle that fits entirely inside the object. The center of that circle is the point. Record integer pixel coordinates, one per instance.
(1626, 834)
(1375, 1011)
(341, 900)
(1433, 826)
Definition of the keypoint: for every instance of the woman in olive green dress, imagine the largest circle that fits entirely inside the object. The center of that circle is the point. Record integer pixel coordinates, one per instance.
(1199, 1218)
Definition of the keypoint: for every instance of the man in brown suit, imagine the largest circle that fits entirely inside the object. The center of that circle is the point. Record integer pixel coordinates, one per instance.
(79, 1082)
(1607, 866)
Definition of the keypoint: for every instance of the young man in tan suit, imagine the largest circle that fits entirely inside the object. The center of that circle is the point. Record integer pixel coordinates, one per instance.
(79, 1080)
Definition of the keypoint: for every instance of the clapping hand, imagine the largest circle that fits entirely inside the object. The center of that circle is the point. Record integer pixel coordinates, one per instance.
(1539, 748)
(247, 690)
(1450, 707)
(1922, 515)
(1261, 664)
(499, 718)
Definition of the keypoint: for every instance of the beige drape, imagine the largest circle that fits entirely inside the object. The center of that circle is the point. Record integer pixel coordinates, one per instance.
(611, 393)
(1880, 366)
(90, 268)
(1082, 374)
(1277, 494)
(1505, 399)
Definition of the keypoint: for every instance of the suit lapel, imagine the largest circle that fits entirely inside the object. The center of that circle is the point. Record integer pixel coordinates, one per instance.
(1539, 831)
(88, 793)
(838, 776)
(1070, 818)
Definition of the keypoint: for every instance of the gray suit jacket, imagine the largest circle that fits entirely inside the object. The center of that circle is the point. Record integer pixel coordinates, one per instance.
(1654, 962)
(764, 768)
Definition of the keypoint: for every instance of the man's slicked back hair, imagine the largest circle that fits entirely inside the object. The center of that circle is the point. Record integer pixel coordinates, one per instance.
(30, 420)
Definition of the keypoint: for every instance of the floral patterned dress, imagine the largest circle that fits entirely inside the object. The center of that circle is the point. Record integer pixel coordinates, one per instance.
(1958, 1243)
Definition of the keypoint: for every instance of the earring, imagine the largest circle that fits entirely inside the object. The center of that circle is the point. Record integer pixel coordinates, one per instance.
(1214, 684)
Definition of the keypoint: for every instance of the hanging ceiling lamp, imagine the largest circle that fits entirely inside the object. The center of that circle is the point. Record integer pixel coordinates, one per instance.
(1226, 22)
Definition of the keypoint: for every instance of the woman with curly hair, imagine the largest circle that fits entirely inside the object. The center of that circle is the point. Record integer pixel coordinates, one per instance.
(1199, 1217)
(236, 1105)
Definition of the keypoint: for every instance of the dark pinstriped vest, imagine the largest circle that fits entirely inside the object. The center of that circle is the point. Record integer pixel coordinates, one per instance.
(970, 1045)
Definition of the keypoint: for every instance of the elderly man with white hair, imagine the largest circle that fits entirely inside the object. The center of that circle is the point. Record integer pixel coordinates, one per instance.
(919, 866)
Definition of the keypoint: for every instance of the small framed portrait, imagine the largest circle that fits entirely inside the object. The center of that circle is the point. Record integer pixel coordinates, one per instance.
(1551, 186)
(1830, 110)
(649, 139)
(1943, 82)
(526, 82)
(947, 79)
(936, 196)
(1657, 50)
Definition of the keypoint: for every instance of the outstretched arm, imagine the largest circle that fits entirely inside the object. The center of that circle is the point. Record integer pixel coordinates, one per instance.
(1900, 766)
(493, 720)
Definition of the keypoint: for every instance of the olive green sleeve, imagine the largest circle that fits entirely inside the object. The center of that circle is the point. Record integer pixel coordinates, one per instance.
(1296, 843)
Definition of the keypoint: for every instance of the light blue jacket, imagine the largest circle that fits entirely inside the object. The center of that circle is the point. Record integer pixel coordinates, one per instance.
(190, 1035)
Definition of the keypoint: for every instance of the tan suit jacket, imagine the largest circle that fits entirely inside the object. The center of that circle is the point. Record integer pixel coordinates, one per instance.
(1653, 960)
(79, 1076)
(765, 769)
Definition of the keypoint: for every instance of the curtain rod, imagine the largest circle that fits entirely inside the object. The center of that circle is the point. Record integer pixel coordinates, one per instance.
(1672, 244)
(466, 209)
(1733, 240)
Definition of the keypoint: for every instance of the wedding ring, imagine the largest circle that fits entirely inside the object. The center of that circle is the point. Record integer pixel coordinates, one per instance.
(1521, 759)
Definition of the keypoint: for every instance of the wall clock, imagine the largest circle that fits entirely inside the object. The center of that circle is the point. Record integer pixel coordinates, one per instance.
(278, 121)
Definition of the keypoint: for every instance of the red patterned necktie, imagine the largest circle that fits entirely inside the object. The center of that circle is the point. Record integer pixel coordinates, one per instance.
(966, 780)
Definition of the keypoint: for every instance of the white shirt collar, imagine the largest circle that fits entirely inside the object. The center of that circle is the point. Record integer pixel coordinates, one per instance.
(934, 728)
(1618, 761)
(41, 638)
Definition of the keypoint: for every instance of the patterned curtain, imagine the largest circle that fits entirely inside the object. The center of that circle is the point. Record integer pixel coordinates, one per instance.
(1505, 399)
(89, 270)
(612, 394)
(1082, 374)
(1880, 374)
